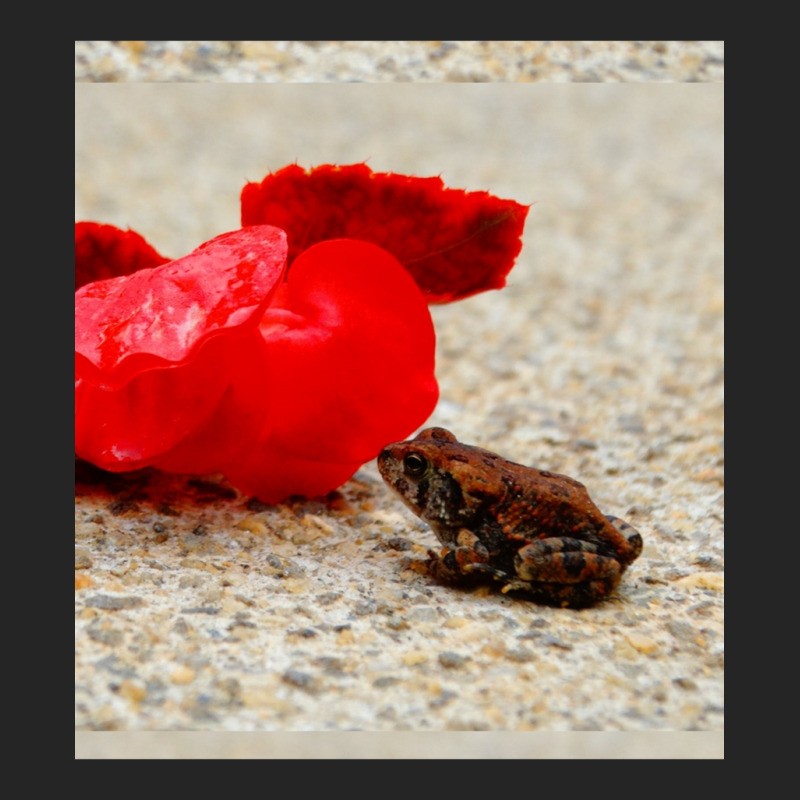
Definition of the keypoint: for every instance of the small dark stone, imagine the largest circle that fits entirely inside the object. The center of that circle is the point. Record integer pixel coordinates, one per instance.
(683, 631)
(181, 627)
(708, 562)
(116, 666)
(200, 610)
(168, 511)
(327, 598)
(554, 641)
(365, 607)
(302, 680)
(423, 614)
(395, 543)
(156, 692)
(228, 691)
(331, 665)
(520, 655)
(241, 623)
(110, 603)
(443, 699)
(199, 710)
(631, 423)
(123, 505)
(440, 52)
(254, 504)
(452, 660)
(110, 637)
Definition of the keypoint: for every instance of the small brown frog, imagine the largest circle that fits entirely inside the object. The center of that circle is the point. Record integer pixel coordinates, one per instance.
(535, 532)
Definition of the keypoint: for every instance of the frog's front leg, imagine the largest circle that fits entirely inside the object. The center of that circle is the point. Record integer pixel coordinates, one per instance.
(463, 563)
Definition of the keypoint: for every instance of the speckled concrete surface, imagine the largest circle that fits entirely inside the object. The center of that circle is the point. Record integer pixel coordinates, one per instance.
(603, 359)
(400, 61)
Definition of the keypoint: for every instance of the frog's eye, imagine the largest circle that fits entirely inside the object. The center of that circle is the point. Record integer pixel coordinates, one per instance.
(414, 464)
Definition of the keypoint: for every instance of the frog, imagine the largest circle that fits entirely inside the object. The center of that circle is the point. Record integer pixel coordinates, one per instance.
(527, 531)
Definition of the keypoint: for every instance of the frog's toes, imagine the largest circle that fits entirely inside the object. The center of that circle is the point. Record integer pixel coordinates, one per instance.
(632, 536)
(515, 584)
(484, 569)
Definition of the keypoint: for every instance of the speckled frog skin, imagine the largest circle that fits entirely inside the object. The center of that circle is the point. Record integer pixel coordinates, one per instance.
(533, 532)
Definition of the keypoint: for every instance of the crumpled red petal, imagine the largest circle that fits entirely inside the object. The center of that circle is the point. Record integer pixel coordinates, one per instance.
(454, 243)
(158, 317)
(158, 350)
(105, 251)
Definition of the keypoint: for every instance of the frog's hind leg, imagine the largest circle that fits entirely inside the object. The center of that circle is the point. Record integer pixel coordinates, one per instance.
(566, 572)
(569, 565)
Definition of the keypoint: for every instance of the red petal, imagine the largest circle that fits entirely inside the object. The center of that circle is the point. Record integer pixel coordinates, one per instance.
(350, 345)
(152, 367)
(131, 427)
(105, 251)
(159, 317)
(454, 243)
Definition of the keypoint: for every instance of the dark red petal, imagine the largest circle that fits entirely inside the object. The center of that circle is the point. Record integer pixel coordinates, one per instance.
(351, 349)
(158, 317)
(105, 251)
(454, 243)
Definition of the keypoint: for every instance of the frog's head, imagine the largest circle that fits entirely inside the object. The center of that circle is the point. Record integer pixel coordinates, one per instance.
(438, 478)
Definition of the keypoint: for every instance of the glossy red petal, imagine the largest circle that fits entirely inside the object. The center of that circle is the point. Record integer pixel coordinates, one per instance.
(159, 317)
(157, 352)
(351, 349)
(105, 251)
(454, 243)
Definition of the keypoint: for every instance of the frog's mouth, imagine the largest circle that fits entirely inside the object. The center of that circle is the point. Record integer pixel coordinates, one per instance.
(384, 458)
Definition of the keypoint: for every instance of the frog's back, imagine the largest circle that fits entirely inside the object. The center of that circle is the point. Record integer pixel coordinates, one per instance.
(549, 500)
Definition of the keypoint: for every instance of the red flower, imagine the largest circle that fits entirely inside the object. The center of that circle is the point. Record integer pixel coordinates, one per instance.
(284, 379)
